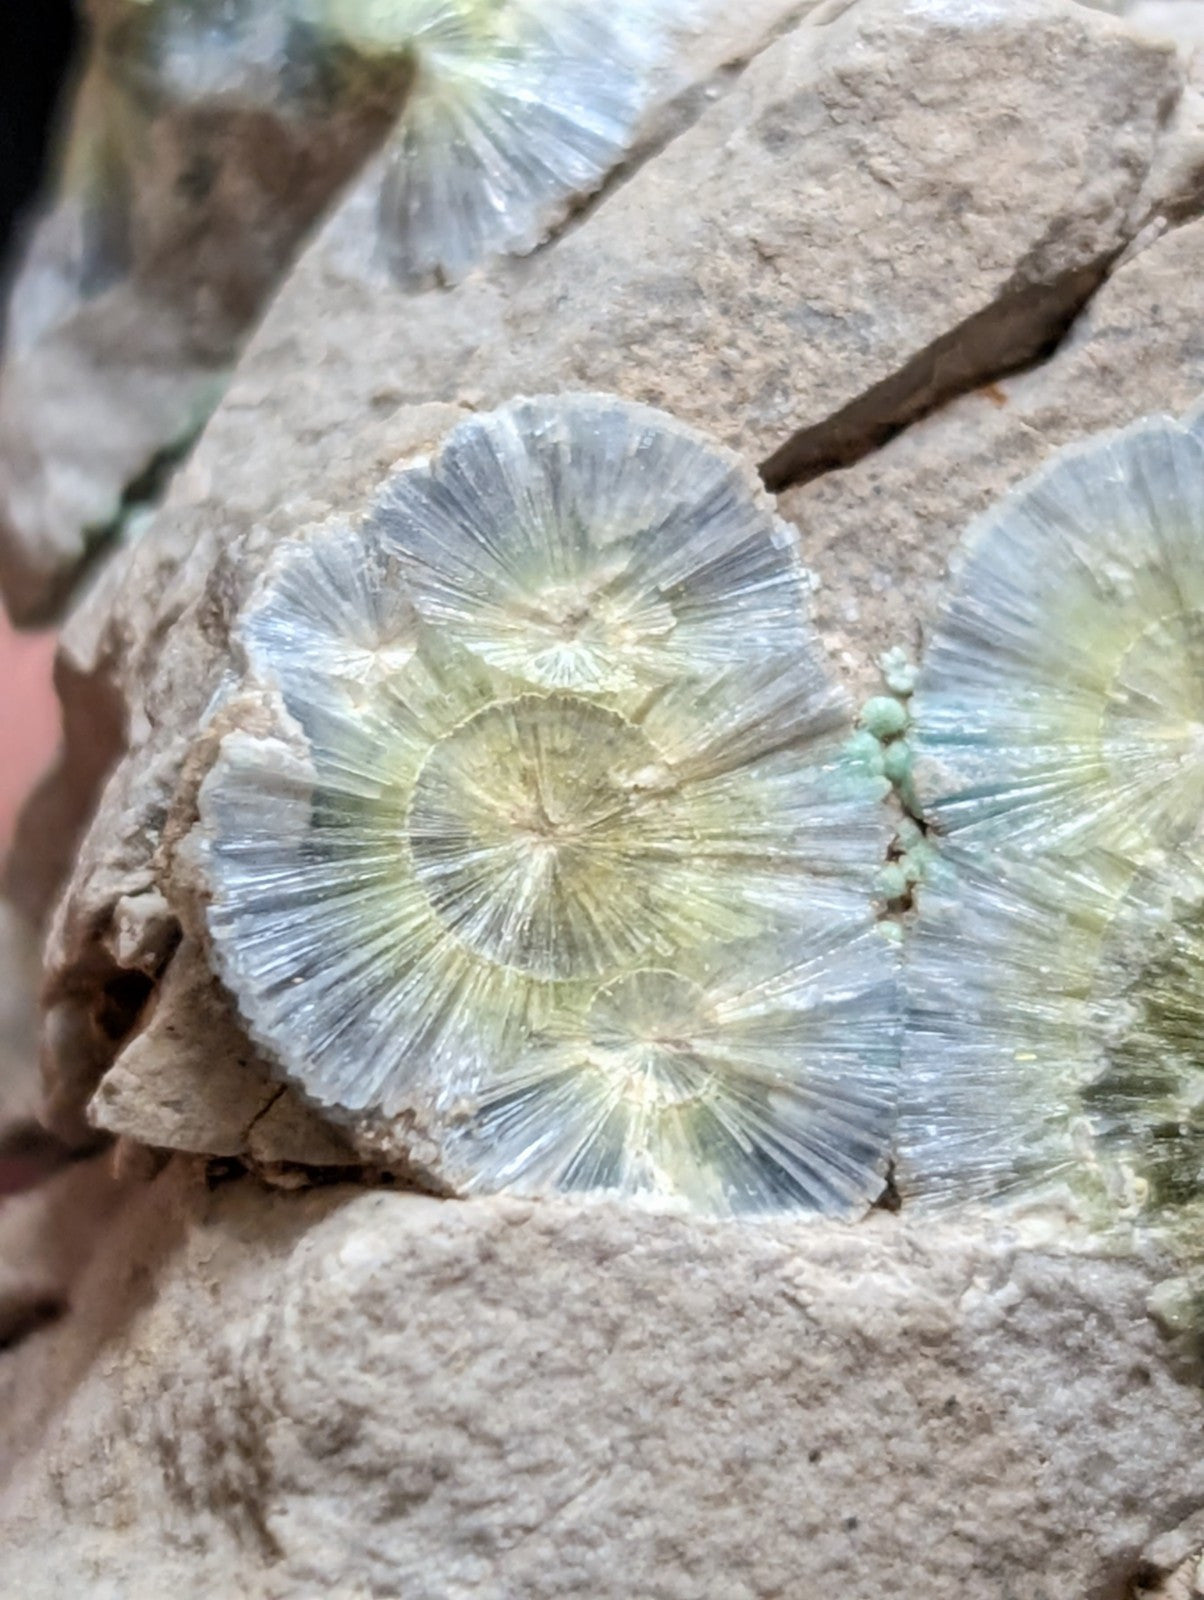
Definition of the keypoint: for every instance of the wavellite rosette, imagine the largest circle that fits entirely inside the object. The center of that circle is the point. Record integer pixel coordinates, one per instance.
(1055, 1040)
(1061, 702)
(507, 111)
(1054, 976)
(543, 845)
(1000, 968)
(515, 109)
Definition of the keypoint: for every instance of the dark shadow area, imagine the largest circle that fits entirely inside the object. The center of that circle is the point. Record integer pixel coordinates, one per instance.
(37, 38)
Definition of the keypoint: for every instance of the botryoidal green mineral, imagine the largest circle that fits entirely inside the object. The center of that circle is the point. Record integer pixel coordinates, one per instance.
(544, 834)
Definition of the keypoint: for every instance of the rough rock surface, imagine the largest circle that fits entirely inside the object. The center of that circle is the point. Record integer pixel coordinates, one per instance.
(379, 1394)
(1137, 348)
(125, 320)
(374, 1393)
(903, 246)
(1175, 19)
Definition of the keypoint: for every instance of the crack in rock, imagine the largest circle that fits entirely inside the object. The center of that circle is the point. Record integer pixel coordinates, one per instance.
(1023, 328)
(1000, 340)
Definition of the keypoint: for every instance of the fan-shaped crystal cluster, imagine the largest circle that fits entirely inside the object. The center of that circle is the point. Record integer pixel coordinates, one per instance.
(1055, 979)
(515, 109)
(198, 118)
(541, 836)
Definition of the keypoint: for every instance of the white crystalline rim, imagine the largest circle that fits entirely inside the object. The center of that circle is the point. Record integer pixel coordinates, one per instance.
(1057, 591)
(306, 918)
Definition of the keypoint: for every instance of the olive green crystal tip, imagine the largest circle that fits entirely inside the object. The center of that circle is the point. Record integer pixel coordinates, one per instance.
(554, 845)
(1054, 975)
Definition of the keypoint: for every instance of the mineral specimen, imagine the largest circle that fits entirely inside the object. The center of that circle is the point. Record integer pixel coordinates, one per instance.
(538, 842)
(1054, 1037)
(1054, 978)
(515, 108)
(1061, 702)
(208, 136)
(1000, 967)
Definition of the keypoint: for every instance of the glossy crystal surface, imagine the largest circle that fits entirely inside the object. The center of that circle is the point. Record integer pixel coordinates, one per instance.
(554, 843)
(1054, 989)
(515, 109)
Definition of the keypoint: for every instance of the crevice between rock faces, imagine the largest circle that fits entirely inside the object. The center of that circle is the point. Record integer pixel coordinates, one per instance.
(1021, 331)
(1023, 328)
(1019, 328)
(22, 1315)
(141, 497)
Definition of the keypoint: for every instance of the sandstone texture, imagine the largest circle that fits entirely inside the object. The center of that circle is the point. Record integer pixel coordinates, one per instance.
(896, 252)
(382, 1395)
(1137, 348)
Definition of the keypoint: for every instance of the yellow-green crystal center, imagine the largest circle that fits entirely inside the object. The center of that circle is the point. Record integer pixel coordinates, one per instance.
(646, 1042)
(1156, 700)
(534, 836)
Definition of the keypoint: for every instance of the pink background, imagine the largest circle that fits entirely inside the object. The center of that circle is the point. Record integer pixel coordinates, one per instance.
(29, 720)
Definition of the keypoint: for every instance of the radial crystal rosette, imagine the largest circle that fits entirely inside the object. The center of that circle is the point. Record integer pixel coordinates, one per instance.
(550, 845)
(1061, 702)
(1146, 1096)
(1055, 1036)
(516, 108)
(1000, 967)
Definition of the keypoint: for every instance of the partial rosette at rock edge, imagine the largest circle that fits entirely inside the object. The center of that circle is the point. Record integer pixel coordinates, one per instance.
(1052, 972)
(516, 109)
(1061, 702)
(1055, 1041)
(541, 856)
